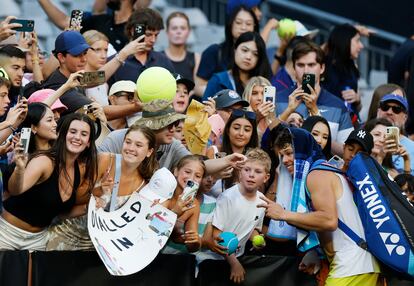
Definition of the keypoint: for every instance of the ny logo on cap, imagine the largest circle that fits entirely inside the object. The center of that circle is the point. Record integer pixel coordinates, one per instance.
(233, 94)
(361, 134)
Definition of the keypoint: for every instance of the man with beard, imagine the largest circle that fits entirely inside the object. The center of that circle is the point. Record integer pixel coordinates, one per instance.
(13, 60)
(110, 24)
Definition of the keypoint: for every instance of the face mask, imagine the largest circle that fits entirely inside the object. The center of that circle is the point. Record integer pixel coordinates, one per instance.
(114, 5)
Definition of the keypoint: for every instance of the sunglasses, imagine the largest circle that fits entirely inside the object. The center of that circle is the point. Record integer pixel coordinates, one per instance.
(395, 108)
(174, 124)
(244, 113)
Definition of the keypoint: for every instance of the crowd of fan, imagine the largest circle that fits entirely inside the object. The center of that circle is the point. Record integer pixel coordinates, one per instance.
(249, 155)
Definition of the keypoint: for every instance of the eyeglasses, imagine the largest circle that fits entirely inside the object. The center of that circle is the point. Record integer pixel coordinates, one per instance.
(395, 108)
(244, 113)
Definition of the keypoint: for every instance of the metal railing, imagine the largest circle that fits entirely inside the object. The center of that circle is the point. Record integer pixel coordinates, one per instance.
(379, 47)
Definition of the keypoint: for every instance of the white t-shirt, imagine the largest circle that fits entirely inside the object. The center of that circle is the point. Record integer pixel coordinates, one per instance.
(98, 93)
(349, 259)
(234, 213)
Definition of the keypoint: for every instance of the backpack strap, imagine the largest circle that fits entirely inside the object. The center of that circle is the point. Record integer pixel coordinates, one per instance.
(117, 178)
(352, 235)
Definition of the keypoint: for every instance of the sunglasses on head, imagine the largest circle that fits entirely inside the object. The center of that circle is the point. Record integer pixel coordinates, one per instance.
(244, 113)
(395, 108)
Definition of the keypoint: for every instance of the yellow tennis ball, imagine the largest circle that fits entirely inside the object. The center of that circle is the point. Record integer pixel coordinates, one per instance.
(258, 241)
(286, 27)
(156, 83)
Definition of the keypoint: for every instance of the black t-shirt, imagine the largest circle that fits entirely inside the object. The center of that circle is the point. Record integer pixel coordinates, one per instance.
(400, 63)
(105, 24)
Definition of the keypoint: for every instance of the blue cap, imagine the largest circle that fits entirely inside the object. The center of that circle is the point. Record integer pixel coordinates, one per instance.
(233, 4)
(71, 42)
(394, 97)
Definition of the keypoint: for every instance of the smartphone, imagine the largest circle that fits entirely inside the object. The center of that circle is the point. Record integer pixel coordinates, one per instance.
(219, 155)
(139, 30)
(308, 78)
(88, 108)
(336, 161)
(75, 18)
(25, 139)
(190, 190)
(27, 25)
(269, 94)
(89, 79)
(393, 132)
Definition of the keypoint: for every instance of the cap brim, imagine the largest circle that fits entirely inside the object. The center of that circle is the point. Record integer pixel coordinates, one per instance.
(150, 195)
(243, 102)
(75, 51)
(309, 34)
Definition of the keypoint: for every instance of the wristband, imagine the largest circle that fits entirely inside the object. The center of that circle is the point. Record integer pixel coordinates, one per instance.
(12, 128)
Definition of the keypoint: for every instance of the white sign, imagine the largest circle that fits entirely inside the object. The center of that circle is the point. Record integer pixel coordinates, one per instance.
(129, 238)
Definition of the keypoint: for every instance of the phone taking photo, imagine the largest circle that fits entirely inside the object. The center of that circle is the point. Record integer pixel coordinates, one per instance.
(269, 94)
(25, 139)
(308, 78)
(90, 79)
(393, 133)
(139, 30)
(190, 190)
(27, 25)
(76, 17)
(336, 161)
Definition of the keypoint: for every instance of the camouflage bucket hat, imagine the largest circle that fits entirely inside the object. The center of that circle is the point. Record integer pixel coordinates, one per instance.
(158, 114)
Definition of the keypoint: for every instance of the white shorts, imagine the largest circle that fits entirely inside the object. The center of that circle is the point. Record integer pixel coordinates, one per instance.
(14, 238)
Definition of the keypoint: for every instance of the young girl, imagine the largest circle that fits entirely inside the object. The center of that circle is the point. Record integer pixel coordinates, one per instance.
(249, 60)
(41, 120)
(185, 236)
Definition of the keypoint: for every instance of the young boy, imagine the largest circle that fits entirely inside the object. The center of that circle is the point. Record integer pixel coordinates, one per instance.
(236, 209)
(358, 141)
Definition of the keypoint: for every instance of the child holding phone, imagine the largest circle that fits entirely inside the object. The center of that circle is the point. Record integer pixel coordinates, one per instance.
(185, 236)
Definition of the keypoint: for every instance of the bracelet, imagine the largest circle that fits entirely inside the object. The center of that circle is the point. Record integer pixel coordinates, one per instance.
(12, 128)
(119, 59)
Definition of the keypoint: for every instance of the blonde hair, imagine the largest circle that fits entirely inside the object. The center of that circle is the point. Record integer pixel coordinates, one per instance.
(93, 36)
(260, 156)
(256, 80)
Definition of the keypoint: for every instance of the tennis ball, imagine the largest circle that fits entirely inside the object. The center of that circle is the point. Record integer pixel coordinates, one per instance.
(286, 27)
(156, 83)
(230, 241)
(258, 241)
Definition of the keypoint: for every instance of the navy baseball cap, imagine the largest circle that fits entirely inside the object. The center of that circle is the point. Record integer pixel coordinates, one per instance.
(397, 98)
(227, 97)
(71, 42)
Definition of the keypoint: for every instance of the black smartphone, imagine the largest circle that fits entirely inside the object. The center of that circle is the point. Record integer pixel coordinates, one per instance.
(27, 25)
(308, 78)
(139, 30)
(92, 78)
(75, 18)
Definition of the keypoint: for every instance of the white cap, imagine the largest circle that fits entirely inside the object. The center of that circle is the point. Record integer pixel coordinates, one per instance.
(301, 30)
(122, 85)
(161, 186)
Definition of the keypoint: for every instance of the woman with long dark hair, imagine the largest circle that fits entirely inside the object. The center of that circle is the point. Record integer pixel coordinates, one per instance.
(41, 120)
(47, 184)
(319, 128)
(341, 72)
(217, 57)
(239, 135)
(249, 60)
